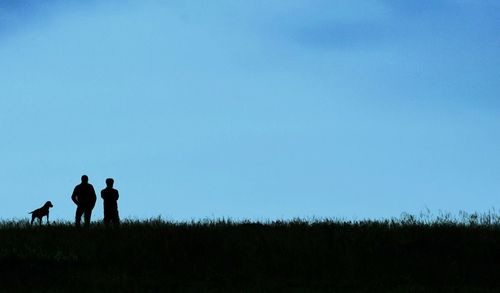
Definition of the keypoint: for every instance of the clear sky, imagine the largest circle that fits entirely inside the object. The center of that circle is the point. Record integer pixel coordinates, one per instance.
(256, 109)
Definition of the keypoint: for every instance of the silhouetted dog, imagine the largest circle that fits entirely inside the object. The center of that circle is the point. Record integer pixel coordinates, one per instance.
(41, 212)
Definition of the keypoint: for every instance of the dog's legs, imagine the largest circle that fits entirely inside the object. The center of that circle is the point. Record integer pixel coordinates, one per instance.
(32, 219)
(48, 222)
(40, 221)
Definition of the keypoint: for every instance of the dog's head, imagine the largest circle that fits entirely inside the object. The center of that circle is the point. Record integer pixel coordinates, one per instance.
(48, 204)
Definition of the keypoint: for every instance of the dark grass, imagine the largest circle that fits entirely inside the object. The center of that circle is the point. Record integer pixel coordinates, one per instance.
(405, 255)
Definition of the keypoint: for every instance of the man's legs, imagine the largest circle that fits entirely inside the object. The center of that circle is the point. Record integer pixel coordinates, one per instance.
(78, 216)
(111, 217)
(87, 215)
(116, 218)
(106, 217)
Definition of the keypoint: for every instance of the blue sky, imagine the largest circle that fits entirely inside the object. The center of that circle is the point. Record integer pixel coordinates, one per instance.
(251, 109)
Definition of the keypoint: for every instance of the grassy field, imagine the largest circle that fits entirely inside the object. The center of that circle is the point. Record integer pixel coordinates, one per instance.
(405, 255)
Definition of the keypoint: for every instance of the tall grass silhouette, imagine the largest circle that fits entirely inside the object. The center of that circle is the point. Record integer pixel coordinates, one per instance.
(410, 254)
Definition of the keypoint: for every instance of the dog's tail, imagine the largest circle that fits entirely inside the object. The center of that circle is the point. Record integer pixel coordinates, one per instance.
(31, 212)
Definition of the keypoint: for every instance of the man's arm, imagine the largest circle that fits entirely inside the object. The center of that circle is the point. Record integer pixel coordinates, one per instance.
(93, 197)
(74, 196)
(117, 195)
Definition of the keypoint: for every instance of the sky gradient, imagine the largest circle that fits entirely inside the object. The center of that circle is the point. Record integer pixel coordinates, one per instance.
(251, 109)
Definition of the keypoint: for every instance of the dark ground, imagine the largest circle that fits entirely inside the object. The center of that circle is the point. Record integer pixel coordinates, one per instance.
(221, 256)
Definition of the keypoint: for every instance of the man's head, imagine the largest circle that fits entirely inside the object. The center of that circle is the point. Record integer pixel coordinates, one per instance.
(110, 182)
(85, 179)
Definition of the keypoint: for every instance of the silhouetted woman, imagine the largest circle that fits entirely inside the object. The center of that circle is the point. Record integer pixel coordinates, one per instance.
(110, 197)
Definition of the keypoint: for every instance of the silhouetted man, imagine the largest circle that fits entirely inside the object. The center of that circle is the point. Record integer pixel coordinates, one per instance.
(84, 197)
(110, 197)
